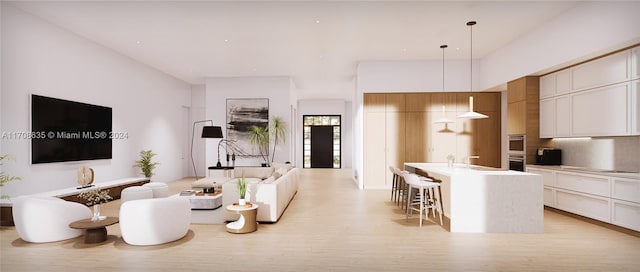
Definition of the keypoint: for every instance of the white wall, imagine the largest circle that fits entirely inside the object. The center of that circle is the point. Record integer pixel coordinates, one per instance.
(415, 76)
(328, 107)
(40, 58)
(198, 112)
(588, 30)
(276, 89)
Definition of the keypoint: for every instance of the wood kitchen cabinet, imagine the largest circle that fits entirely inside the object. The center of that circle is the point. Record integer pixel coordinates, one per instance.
(524, 112)
(399, 128)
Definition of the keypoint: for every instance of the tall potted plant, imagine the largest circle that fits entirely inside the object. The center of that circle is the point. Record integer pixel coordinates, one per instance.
(4, 178)
(277, 131)
(261, 138)
(145, 164)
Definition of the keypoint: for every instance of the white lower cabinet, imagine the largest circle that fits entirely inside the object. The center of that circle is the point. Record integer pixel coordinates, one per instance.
(626, 214)
(595, 207)
(595, 185)
(626, 189)
(612, 199)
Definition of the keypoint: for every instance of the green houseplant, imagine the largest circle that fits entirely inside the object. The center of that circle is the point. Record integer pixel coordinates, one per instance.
(261, 137)
(145, 164)
(4, 178)
(242, 190)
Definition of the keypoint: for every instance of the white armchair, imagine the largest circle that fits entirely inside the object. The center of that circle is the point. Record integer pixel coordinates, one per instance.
(47, 219)
(155, 221)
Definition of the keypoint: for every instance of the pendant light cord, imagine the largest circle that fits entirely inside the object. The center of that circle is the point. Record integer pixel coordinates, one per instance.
(443, 47)
(470, 24)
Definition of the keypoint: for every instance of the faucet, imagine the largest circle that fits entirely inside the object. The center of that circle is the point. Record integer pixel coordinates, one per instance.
(469, 160)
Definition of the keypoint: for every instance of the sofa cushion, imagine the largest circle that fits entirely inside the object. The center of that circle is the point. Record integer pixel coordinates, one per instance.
(269, 180)
(281, 171)
(276, 175)
(253, 172)
(277, 165)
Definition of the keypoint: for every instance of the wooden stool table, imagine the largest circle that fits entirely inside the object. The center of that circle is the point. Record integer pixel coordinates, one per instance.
(95, 232)
(247, 222)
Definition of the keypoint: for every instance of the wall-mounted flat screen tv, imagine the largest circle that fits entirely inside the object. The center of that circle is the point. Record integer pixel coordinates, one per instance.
(64, 130)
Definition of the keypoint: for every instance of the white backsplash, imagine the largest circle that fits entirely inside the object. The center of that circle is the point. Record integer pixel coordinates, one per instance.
(612, 153)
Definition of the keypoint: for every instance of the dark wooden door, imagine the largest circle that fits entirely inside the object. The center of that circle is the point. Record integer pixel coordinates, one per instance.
(322, 147)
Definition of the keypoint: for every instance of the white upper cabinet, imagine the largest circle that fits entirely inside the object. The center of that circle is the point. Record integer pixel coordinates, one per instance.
(635, 63)
(563, 116)
(547, 86)
(563, 82)
(597, 98)
(607, 70)
(547, 118)
(601, 111)
(635, 107)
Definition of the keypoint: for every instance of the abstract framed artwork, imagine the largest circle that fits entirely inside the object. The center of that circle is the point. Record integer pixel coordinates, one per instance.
(242, 114)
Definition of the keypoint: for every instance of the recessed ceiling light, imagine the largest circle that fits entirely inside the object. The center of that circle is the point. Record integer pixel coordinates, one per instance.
(138, 42)
(404, 50)
(317, 21)
(225, 40)
(457, 48)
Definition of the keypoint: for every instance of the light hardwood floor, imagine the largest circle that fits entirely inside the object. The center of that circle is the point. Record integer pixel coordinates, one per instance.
(332, 226)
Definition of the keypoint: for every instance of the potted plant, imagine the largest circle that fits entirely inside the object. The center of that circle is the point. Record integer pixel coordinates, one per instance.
(242, 190)
(94, 198)
(4, 178)
(278, 131)
(145, 164)
(261, 137)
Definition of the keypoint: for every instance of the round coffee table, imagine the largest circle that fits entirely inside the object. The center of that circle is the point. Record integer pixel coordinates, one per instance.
(96, 232)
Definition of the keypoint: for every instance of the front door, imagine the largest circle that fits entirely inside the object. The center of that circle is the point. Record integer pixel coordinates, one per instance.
(322, 147)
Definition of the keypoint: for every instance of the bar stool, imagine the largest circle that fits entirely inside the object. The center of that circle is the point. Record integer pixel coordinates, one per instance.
(426, 199)
(394, 183)
(401, 188)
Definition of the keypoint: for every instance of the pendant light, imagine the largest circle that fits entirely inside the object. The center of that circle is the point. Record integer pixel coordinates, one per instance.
(471, 114)
(444, 119)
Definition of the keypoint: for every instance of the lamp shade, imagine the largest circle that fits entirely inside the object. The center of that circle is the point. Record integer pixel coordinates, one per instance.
(211, 132)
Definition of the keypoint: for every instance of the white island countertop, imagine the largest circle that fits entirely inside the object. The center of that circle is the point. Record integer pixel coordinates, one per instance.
(485, 199)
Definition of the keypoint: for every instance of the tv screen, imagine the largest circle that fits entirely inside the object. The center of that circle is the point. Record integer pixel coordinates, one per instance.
(65, 130)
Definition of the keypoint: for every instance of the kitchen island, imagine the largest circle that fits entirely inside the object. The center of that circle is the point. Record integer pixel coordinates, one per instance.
(485, 199)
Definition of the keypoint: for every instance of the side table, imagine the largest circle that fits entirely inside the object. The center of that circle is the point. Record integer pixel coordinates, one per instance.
(228, 170)
(247, 222)
(96, 232)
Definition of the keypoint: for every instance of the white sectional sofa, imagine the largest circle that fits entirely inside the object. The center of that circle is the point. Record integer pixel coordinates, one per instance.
(272, 188)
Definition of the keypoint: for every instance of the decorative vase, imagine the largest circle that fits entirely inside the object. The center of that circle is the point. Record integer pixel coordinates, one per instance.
(242, 202)
(96, 214)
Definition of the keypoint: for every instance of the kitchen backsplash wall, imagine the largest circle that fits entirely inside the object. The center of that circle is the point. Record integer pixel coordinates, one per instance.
(612, 153)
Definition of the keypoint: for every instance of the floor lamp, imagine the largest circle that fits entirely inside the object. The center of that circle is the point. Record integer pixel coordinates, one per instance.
(207, 132)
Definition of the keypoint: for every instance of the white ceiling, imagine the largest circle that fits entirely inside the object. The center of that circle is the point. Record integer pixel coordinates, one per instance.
(318, 44)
